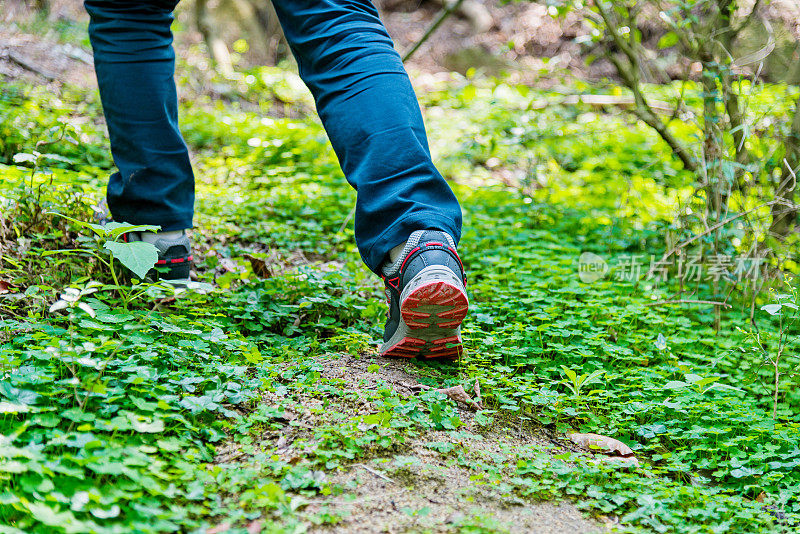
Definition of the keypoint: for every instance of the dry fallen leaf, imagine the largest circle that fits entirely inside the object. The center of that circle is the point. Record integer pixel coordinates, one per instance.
(255, 526)
(603, 444)
(456, 393)
(5, 287)
(617, 452)
(227, 265)
(282, 443)
(262, 267)
(222, 527)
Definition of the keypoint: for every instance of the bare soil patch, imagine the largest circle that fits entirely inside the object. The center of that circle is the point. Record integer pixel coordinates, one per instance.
(415, 488)
(436, 497)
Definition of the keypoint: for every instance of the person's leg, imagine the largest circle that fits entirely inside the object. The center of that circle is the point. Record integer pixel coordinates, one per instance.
(135, 66)
(369, 109)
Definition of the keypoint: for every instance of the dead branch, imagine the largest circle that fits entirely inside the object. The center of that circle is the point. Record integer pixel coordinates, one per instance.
(443, 14)
(600, 101)
(630, 76)
(27, 65)
(717, 226)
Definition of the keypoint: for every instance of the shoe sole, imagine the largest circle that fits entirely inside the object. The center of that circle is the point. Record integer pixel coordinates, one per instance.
(432, 307)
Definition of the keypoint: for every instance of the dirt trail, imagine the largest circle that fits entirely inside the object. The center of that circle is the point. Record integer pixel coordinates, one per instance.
(419, 490)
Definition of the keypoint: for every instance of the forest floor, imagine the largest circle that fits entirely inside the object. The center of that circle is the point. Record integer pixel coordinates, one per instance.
(416, 487)
(257, 403)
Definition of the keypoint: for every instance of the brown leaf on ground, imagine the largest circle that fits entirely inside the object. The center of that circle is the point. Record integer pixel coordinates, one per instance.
(222, 527)
(477, 390)
(604, 445)
(294, 459)
(456, 393)
(227, 265)
(262, 266)
(5, 287)
(255, 526)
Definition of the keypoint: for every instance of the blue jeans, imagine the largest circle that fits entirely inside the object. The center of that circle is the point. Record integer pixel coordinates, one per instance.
(363, 96)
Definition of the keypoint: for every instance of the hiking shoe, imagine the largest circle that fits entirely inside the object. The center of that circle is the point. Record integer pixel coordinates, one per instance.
(174, 255)
(427, 297)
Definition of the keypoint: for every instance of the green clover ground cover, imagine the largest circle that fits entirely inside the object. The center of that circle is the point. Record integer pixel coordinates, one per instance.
(111, 423)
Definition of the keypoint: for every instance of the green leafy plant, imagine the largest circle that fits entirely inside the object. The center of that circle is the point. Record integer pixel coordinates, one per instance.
(772, 344)
(576, 383)
(136, 256)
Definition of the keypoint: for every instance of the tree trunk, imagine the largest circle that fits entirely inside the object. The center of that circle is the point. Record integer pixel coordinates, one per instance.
(269, 29)
(42, 7)
(784, 214)
(217, 48)
(716, 187)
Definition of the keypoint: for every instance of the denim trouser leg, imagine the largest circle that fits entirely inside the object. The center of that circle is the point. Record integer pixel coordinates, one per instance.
(135, 67)
(369, 109)
(363, 97)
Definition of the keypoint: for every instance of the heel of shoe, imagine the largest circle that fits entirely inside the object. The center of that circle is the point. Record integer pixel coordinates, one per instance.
(434, 298)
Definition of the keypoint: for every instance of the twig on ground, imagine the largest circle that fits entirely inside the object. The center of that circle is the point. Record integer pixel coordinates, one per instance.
(79, 54)
(375, 472)
(347, 219)
(336, 502)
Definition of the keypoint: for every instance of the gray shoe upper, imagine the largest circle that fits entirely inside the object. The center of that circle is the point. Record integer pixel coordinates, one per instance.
(423, 249)
(174, 254)
(168, 248)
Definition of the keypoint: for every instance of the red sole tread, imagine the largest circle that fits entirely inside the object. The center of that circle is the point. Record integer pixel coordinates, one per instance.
(441, 294)
(436, 304)
(448, 348)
